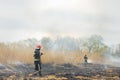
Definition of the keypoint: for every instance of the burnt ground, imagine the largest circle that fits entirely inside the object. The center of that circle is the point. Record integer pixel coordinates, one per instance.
(60, 72)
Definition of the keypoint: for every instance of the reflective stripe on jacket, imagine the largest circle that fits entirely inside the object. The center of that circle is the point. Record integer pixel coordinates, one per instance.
(36, 59)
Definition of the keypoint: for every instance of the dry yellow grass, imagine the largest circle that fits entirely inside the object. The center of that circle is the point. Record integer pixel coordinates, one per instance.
(26, 55)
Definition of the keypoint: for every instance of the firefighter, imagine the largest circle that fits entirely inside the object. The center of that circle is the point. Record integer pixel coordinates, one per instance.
(85, 59)
(37, 59)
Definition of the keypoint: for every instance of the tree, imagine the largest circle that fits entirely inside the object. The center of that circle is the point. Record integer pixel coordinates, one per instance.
(65, 44)
(46, 42)
(82, 44)
(95, 43)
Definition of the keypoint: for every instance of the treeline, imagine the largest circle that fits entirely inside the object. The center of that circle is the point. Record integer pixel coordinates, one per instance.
(92, 44)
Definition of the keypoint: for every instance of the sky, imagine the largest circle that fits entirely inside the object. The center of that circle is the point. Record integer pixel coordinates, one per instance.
(22, 19)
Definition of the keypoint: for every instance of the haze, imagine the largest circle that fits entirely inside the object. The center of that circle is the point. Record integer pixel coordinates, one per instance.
(22, 19)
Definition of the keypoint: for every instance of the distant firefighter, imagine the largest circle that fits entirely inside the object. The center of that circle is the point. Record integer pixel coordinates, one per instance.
(85, 59)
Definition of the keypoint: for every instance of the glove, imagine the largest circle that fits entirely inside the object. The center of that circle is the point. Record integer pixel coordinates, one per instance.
(41, 53)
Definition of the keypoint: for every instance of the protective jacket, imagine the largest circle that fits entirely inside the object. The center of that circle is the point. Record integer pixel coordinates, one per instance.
(37, 55)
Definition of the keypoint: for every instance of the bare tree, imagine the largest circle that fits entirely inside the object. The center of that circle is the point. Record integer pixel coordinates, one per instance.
(95, 44)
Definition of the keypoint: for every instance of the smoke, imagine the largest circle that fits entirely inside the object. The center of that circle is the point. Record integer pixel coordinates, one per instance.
(112, 59)
(90, 61)
(72, 51)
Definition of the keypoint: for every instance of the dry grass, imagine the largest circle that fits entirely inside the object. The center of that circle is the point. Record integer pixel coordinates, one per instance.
(12, 55)
(26, 56)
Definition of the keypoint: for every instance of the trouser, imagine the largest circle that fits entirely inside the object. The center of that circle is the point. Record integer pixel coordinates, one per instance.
(38, 66)
(85, 60)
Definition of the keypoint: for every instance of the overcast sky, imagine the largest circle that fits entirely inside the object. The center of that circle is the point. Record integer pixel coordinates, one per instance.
(22, 19)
